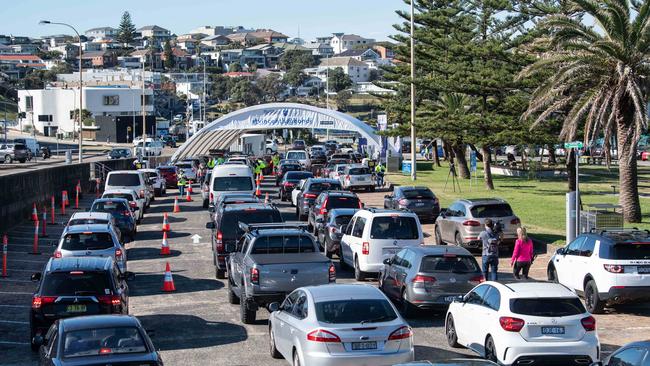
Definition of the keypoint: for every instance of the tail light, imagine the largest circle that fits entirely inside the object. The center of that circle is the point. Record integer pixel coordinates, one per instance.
(333, 229)
(401, 333)
(310, 195)
(589, 323)
(515, 221)
(323, 208)
(126, 213)
(365, 248)
(403, 202)
(360, 205)
(510, 324)
(118, 253)
(38, 301)
(141, 193)
(425, 282)
(132, 204)
(332, 273)
(288, 185)
(219, 242)
(614, 268)
(471, 223)
(477, 279)
(110, 300)
(255, 276)
(322, 335)
(347, 177)
(57, 254)
(211, 197)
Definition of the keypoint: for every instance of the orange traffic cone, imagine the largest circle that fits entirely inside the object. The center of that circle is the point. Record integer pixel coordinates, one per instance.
(164, 248)
(165, 226)
(266, 199)
(189, 187)
(188, 197)
(34, 213)
(176, 208)
(168, 282)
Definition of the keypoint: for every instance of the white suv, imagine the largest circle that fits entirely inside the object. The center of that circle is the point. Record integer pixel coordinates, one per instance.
(128, 179)
(374, 235)
(527, 323)
(606, 267)
(156, 180)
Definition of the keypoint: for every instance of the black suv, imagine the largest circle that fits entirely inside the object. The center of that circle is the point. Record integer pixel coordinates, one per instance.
(289, 182)
(225, 228)
(75, 286)
(327, 201)
(284, 168)
(310, 191)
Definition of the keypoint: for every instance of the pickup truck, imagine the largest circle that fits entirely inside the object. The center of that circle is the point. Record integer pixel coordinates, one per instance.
(270, 261)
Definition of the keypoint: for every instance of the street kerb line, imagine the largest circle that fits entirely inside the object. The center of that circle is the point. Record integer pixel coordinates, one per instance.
(14, 306)
(13, 280)
(13, 322)
(16, 343)
(16, 293)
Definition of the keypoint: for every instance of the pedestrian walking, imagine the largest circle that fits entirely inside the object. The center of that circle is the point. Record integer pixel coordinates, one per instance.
(522, 255)
(490, 251)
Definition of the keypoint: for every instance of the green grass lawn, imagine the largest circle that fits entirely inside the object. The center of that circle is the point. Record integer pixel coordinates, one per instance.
(540, 203)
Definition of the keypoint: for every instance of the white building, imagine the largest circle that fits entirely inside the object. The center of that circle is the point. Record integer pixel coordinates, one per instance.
(101, 33)
(358, 71)
(111, 77)
(343, 42)
(320, 49)
(52, 110)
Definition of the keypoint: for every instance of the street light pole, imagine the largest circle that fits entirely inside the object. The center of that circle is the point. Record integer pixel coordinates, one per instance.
(203, 115)
(413, 162)
(144, 110)
(80, 83)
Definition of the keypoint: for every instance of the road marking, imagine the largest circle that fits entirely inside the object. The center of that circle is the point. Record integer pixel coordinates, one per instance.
(14, 306)
(16, 343)
(28, 261)
(13, 322)
(15, 293)
(11, 280)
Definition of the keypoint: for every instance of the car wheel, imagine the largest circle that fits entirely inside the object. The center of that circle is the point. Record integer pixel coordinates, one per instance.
(33, 346)
(593, 303)
(246, 315)
(358, 273)
(220, 273)
(490, 352)
(552, 275)
(269, 151)
(156, 193)
(439, 236)
(206, 203)
(232, 297)
(274, 351)
(450, 331)
(22, 161)
(457, 240)
(7, 159)
(342, 262)
(296, 359)
(407, 309)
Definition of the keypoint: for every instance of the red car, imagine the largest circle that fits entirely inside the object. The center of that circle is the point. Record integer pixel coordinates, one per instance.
(645, 155)
(169, 173)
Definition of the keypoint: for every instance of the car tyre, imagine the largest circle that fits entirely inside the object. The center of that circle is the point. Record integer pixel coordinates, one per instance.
(593, 303)
(439, 237)
(342, 262)
(458, 240)
(407, 309)
(157, 192)
(232, 297)
(246, 315)
(490, 351)
(274, 351)
(220, 273)
(7, 159)
(450, 332)
(359, 275)
(551, 273)
(33, 346)
(296, 359)
(206, 203)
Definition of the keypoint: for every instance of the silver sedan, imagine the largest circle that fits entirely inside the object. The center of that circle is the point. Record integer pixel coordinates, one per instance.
(339, 325)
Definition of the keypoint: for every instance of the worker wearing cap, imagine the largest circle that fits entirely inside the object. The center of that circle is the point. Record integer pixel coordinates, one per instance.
(181, 183)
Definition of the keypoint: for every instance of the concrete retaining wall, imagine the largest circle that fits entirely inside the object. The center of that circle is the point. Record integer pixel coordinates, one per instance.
(19, 191)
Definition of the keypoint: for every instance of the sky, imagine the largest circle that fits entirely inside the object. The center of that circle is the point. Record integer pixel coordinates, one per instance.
(307, 18)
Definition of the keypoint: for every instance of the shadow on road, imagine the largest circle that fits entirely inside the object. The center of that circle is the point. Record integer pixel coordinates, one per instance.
(175, 332)
(151, 284)
(149, 253)
(436, 354)
(157, 235)
(153, 220)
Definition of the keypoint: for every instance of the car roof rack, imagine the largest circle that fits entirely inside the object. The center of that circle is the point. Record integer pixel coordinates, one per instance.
(279, 225)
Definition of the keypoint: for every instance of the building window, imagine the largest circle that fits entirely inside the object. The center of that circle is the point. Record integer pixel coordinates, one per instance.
(29, 103)
(111, 99)
(148, 100)
(45, 118)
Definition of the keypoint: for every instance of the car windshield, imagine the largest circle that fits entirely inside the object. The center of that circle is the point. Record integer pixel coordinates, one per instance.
(449, 263)
(394, 227)
(103, 342)
(232, 184)
(639, 250)
(340, 168)
(76, 282)
(184, 165)
(126, 196)
(417, 194)
(554, 307)
(283, 244)
(342, 220)
(323, 186)
(87, 241)
(230, 220)
(354, 311)
(87, 222)
(359, 171)
(493, 210)
(342, 202)
(118, 152)
(109, 206)
(128, 180)
(297, 155)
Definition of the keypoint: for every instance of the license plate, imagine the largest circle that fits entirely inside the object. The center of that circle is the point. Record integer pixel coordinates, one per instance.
(552, 330)
(449, 298)
(643, 269)
(357, 346)
(390, 251)
(76, 308)
(419, 204)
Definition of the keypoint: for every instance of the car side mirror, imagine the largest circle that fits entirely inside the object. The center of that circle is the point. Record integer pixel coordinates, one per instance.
(443, 213)
(459, 298)
(128, 276)
(38, 340)
(274, 306)
(210, 225)
(211, 208)
(560, 251)
(388, 261)
(36, 277)
(230, 247)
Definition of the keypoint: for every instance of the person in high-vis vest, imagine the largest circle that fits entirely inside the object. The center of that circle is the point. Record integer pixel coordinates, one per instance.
(211, 163)
(379, 172)
(275, 160)
(181, 183)
(220, 160)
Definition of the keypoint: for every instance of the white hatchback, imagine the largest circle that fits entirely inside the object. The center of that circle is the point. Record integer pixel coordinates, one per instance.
(528, 323)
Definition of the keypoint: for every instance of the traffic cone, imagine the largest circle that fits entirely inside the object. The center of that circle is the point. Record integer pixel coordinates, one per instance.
(176, 208)
(258, 193)
(168, 282)
(188, 197)
(65, 198)
(34, 213)
(266, 199)
(189, 187)
(165, 226)
(164, 248)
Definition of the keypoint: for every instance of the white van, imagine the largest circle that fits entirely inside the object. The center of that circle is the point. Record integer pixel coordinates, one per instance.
(128, 179)
(31, 144)
(152, 148)
(231, 178)
(301, 156)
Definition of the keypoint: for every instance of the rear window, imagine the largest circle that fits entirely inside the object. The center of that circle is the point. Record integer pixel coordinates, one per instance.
(184, 165)
(87, 222)
(78, 283)
(103, 341)
(298, 155)
(496, 210)
(126, 196)
(291, 167)
(109, 206)
(87, 241)
(418, 194)
(342, 202)
(394, 227)
(354, 311)
(20, 147)
(342, 219)
(359, 171)
(554, 307)
(639, 250)
(232, 184)
(323, 186)
(124, 180)
(230, 220)
(283, 245)
(449, 263)
(167, 170)
(151, 174)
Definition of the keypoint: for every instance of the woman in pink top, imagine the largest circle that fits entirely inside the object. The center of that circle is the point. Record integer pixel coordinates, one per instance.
(522, 255)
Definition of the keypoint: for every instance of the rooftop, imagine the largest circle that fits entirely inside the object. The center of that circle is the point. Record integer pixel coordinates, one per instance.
(341, 61)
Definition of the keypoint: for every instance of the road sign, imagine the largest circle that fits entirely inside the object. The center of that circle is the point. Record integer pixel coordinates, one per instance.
(573, 145)
(472, 161)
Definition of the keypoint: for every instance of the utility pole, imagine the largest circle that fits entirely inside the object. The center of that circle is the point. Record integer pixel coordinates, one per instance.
(413, 162)
(144, 110)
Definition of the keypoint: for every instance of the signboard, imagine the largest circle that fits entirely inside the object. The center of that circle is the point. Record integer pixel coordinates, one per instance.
(406, 167)
(327, 123)
(472, 161)
(573, 145)
(382, 122)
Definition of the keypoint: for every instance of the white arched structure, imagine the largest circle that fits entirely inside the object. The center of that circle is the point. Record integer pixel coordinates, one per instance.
(223, 132)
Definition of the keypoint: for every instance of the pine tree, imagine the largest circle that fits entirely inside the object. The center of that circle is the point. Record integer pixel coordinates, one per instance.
(170, 62)
(126, 30)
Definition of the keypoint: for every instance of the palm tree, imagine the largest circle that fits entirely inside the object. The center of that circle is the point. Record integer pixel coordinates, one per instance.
(600, 76)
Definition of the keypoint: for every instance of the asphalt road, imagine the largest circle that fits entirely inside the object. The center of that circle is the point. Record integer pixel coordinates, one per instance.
(195, 325)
